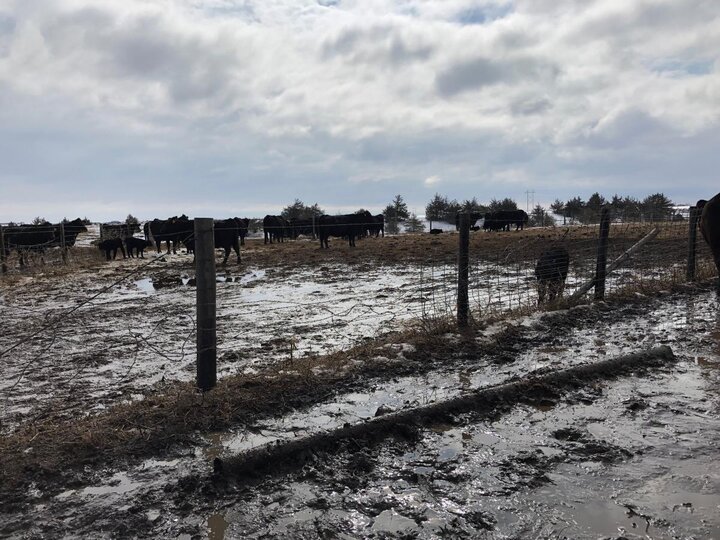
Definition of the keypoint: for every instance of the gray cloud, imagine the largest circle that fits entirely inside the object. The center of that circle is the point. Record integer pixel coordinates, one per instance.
(478, 72)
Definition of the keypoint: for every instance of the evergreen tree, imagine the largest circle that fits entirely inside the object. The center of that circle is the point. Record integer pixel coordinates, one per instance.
(453, 208)
(414, 225)
(472, 206)
(539, 217)
(559, 208)
(631, 209)
(436, 209)
(617, 206)
(391, 226)
(657, 207)
(396, 210)
(593, 207)
(506, 204)
(574, 207)
(299, 210)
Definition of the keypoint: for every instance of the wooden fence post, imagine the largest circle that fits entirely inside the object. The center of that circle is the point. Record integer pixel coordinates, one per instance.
(63, 244)
(463, 306)
(206, 329)
(692, 242)
(601, 265)
(3, 264)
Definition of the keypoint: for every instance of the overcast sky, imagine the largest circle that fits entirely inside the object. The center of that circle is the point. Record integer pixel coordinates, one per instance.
(230, 107)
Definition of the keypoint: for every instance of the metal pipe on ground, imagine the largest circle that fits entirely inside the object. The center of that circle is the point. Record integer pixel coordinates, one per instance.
(284, 456)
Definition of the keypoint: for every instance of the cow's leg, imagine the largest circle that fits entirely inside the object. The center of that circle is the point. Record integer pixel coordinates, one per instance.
(542, 286)
(227, 254)
(236, 246)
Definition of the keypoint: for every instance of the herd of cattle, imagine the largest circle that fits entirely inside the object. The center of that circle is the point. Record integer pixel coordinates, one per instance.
(501, 220)
(551, 269)
(39, 237)
(229, 234)
(350, 226)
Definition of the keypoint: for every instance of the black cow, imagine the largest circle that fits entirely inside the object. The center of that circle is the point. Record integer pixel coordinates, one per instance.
(276, 228)
(710, 228)
(70, 230)
(350, 226)
(39, 237)
(112, 245)
(503, 219)
(227, 237)
(551, 271)
(173, 230)
(136, 245)
(376, 226)
(243, 226)
(436, 231)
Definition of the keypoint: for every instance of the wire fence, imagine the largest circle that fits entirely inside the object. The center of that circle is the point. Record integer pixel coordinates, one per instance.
(100, 332)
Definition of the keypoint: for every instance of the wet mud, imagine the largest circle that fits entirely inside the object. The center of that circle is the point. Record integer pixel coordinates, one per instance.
(633, 456)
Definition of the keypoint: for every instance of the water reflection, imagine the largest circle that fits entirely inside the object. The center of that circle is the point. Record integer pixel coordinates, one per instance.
(217, 526)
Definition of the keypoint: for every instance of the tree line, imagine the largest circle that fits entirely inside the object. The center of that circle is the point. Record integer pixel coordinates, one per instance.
(655, 207)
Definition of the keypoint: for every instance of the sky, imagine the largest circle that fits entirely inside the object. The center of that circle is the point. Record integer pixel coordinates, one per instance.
(224, 108)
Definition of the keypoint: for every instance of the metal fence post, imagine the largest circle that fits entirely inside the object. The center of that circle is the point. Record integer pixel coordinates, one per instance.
(601, 265)
(206, 329)
(463, 306)
(3, 264)
(692, 242)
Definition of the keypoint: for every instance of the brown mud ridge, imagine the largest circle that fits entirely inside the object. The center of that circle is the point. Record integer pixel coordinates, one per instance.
(487, 403)
(52, 453)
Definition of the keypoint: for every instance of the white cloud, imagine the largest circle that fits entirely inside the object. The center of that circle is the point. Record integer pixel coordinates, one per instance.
(432, 180)
(369, 91)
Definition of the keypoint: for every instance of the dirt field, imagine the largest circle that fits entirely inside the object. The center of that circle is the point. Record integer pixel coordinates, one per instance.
(103, 435)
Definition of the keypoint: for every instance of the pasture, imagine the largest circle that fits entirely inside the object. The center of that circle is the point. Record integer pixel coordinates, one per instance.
(103, 431)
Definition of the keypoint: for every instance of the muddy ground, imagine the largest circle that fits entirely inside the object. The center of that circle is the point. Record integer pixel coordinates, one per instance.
(629, 457)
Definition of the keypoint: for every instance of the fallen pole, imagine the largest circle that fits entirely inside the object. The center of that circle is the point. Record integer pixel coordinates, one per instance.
(616, 263)
(287, 455)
